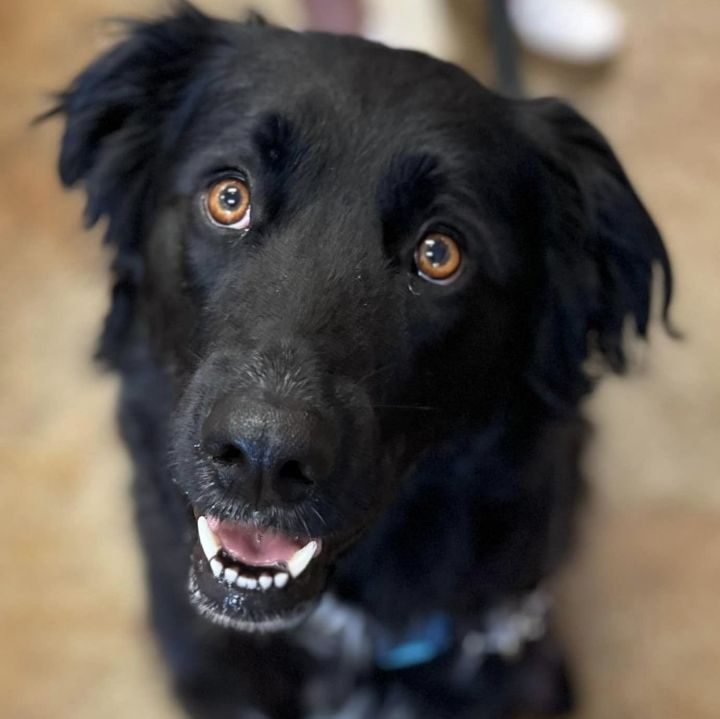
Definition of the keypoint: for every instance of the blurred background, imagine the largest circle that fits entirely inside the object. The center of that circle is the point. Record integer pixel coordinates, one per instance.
(639, 603)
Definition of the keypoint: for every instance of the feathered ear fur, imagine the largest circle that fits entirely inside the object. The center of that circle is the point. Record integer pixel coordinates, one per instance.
(117, 114)
(600, 250)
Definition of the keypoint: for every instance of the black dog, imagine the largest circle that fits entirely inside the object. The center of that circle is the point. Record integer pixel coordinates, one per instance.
(354, 297)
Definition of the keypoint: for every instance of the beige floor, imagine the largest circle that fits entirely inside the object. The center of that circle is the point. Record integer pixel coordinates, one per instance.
(642, 595)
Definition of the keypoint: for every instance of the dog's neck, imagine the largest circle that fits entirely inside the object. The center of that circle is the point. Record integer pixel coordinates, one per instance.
(339, 632)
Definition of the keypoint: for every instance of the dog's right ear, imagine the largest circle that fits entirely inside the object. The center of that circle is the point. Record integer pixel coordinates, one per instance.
(121, 114)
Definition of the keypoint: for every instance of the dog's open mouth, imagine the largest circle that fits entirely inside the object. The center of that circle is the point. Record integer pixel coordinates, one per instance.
(246, 557)
(252, 578)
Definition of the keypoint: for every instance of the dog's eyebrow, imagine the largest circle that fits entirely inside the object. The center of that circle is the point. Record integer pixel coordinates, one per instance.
(275, 138)
(276, 141)
(409, 186)
(410, 178)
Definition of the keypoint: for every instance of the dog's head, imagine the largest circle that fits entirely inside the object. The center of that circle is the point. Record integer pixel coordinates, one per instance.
(342, 256)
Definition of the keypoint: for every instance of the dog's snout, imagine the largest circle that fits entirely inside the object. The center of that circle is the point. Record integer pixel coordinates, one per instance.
(264, 453)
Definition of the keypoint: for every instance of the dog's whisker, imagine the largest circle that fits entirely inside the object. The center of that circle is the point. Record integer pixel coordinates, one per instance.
(377, 371)
(316, 512)
(423, 408)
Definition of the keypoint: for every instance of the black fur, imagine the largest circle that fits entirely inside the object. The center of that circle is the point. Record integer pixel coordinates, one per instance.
(453, 408)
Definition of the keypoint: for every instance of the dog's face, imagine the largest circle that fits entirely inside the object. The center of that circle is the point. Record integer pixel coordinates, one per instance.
(342, 256)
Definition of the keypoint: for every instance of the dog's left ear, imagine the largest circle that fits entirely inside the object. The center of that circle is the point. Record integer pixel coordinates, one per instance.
(600, 249)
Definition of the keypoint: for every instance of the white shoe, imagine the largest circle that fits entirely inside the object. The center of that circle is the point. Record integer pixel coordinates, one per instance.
(415, 24)
(576, 31)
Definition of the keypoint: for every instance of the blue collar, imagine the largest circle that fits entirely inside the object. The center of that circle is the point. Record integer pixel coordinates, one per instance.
(422, 642)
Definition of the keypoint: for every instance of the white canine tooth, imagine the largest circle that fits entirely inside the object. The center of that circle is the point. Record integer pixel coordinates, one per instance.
(243, 582)
(231, 574)
(298, 562)
(217, 567)
(265, 581)
(250, 583)
(208, 541)
(281, 579)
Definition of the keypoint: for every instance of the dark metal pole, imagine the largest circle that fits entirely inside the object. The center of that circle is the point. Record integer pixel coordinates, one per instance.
(505, 50)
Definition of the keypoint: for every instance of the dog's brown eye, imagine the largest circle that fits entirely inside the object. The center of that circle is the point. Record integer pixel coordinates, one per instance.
(437, 257)
(228, 203)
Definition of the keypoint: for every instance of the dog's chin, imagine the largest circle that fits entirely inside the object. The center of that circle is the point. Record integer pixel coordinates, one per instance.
(270, 609)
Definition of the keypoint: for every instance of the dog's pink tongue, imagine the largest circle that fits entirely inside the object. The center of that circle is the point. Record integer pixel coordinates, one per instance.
(252, 546)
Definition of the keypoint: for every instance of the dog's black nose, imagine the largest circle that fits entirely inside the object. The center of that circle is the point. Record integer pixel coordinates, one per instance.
(265, 453)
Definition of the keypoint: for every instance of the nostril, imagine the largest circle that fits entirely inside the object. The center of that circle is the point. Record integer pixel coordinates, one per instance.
(291, 482)
(227, 454)
(292, 472)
